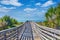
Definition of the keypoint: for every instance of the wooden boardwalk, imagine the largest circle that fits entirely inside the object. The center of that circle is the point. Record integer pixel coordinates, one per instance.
(30, 31)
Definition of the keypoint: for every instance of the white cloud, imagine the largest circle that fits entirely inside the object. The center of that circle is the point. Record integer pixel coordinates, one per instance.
(38, 4)
(9, 8)
(29, 9)
(11, 2)
(48, 3)
(5, 9)
(28, 14)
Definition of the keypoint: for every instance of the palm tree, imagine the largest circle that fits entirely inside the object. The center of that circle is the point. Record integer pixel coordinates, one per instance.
(58, 15)
(49, 15)
(53, 16)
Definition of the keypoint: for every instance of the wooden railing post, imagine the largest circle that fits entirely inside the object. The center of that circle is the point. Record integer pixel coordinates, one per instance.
(5, 35)
(17, 34)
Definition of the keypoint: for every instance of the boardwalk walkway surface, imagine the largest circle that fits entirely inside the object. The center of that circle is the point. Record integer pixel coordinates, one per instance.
(30, 31)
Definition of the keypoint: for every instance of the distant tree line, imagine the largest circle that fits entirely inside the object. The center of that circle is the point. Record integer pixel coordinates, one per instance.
(8, 22)
(52, 17)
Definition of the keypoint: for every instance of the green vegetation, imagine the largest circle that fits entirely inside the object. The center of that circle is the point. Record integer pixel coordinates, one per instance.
(52, 17)
(8, 22)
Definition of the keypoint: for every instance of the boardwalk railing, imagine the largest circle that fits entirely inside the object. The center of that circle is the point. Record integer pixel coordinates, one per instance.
(11, 34)
(49, 33)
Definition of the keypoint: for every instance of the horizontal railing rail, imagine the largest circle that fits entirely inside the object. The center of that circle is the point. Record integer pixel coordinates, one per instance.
(50, 29)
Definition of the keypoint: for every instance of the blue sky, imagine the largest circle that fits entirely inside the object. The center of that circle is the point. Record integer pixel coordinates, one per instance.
(23, 10)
